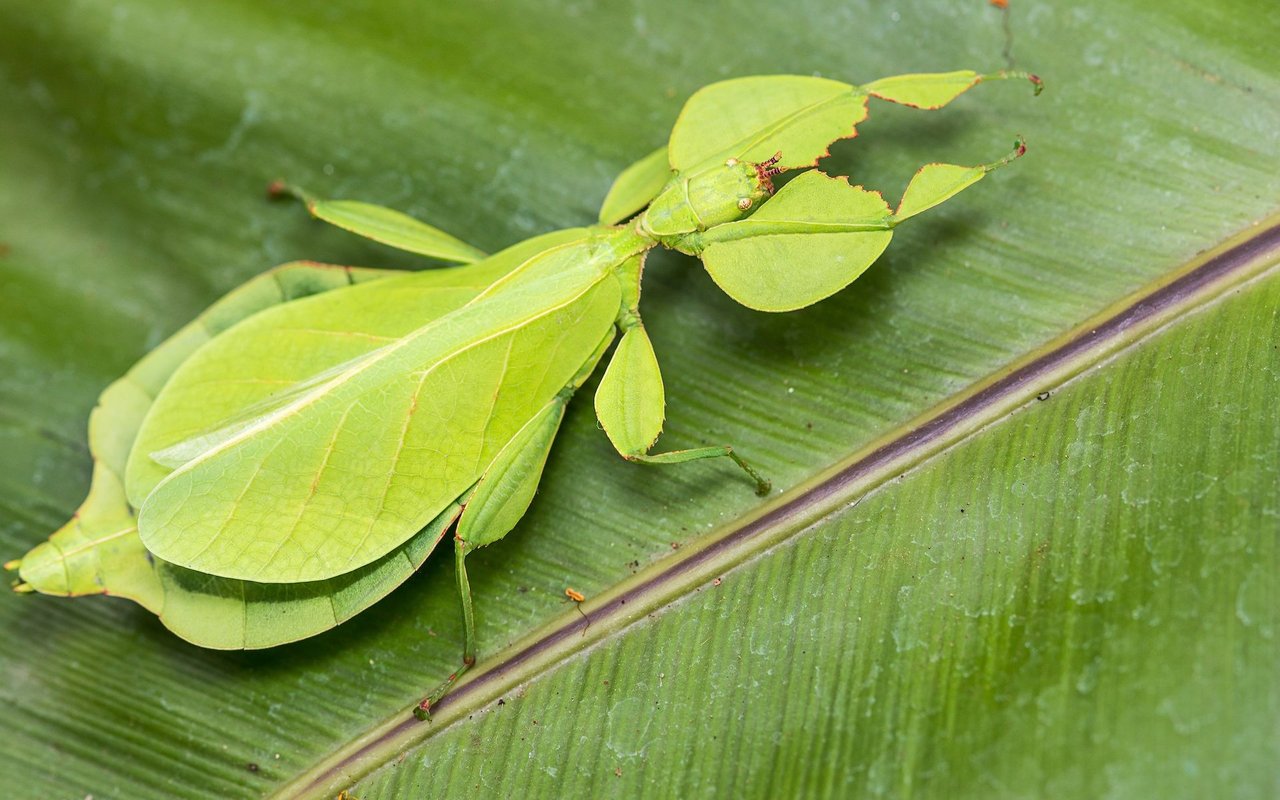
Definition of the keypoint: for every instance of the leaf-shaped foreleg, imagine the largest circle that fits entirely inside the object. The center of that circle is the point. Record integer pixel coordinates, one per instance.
(818, 234)
(932, 90)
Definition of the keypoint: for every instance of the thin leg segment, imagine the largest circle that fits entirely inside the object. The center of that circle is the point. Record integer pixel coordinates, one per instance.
(423, 710)
(763, 485)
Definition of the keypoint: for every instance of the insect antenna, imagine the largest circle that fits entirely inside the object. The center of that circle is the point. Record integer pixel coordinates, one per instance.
(766, 170)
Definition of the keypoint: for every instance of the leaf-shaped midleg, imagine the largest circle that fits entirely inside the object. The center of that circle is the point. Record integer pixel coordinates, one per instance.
(384, 225)
(935, 90)
(635, 187)
(630, 406)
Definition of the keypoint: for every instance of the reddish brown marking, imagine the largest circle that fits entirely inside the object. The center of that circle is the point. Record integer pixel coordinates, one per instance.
(765, 170)
(1000, 3)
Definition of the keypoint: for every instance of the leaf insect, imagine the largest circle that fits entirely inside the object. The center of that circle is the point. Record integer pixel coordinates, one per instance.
(254, 501)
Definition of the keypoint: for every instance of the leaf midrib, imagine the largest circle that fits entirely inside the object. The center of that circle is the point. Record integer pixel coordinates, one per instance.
(1190, 287)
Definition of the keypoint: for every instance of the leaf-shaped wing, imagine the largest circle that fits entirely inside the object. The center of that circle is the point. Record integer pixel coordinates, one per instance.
(229, 614)
(809, 241)
(750, 119)
(99, 551)
(341, 474)
(293, 342)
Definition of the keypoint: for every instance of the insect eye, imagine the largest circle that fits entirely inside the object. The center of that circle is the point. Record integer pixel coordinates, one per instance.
(744, 203)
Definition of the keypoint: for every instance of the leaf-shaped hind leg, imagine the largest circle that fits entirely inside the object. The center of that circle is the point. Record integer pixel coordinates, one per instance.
(630, 406)
(500, 499)
(384, 225)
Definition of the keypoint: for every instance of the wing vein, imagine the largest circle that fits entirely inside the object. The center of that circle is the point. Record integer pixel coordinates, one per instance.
(315, 484)
(361, 366)
(493, 403)
(395, 464)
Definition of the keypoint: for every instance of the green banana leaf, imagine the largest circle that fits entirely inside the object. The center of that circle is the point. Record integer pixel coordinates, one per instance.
(1024, 542)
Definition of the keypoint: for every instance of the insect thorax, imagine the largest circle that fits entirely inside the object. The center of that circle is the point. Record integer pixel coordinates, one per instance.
(700, 199)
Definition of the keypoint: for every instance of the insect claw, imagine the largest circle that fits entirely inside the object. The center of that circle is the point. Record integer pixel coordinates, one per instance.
(422, 711)
(281, 190)
(1019, 150)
